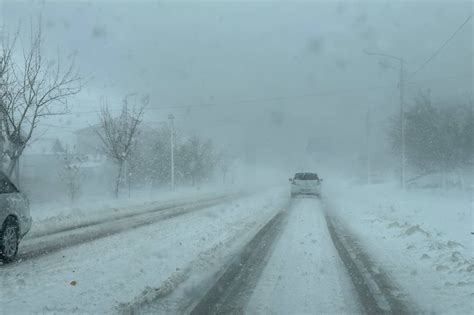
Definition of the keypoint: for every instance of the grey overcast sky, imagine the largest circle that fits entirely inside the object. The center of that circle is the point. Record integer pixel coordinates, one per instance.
(255, 61)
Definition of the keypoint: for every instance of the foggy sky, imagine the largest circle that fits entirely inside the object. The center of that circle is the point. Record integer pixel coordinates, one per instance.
(302, 61)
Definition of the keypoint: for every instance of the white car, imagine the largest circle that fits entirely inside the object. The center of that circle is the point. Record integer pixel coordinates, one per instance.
(15, 219)
(306, 184)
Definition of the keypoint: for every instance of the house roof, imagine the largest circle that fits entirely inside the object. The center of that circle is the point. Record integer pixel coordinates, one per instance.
(44, 146)
(88, 129)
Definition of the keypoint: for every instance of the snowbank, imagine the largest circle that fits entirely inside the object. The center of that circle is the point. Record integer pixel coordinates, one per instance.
(422, 238)
(58, 215)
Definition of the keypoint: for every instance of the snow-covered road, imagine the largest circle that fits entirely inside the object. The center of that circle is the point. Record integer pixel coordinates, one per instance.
(304, 273)
(71, 235)
(165, 265)
(419, 239)
(103, 275)
(260, 253)
(289, 267)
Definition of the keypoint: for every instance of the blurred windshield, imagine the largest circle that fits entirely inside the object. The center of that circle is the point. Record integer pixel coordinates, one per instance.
(236, 157)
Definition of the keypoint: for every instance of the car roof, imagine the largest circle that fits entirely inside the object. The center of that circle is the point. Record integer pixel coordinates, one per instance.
(306, 173)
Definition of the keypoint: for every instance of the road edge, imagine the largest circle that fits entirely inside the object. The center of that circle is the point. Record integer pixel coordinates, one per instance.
(377, 293)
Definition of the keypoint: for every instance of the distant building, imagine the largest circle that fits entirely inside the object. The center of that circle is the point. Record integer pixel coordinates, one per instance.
(39, 163)
(43, 147)
(87, 141)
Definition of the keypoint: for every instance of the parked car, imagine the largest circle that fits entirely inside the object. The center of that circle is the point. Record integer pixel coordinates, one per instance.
(306, 184)
(15, 219)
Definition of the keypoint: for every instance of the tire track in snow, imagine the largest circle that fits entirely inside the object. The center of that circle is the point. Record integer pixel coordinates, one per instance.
(233, 288)
(305, 274)
(173, 296)
(40, 246)
(376, 291)
(80, 225)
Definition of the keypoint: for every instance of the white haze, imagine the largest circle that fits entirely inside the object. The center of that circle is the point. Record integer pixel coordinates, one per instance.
(259, 78)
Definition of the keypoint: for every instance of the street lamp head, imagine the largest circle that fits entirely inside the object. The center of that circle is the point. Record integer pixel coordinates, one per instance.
(370, 53)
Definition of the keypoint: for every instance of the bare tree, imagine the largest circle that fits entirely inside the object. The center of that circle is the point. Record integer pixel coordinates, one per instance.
(118, 134)
(6, 52)
(196, 159)
(71, 173)
(31, 89)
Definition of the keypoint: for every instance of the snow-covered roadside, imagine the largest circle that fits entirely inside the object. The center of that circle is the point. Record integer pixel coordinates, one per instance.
(304, 274)
(57, 216)
(95, 277)
(421, 238)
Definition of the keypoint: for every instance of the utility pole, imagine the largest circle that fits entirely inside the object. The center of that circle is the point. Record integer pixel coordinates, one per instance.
(402, 126)
(367, 136)
(402, 112)
(171, 118)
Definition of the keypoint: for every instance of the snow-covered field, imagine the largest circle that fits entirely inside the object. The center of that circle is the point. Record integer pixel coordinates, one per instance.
(104, 275)
(304, 274)
(422, 238)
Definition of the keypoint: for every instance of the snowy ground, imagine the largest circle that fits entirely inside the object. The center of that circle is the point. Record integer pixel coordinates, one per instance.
(52, 216)
(103, 275)
(292, 268)
(304, 274)
(422, 239)
(419, 239)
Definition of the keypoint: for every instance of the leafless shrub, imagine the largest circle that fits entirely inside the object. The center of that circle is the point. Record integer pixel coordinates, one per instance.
(117, 135)
(71, 173)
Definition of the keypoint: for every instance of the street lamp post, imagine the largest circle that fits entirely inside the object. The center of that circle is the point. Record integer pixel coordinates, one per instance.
(402, 126)
(367, 138)
(402, 111)
(171, 118)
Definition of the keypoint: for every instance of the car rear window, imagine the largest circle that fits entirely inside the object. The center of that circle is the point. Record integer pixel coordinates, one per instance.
(306, 176)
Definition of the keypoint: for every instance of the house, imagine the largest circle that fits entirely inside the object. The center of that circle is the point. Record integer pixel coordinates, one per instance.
(87, 140)
(39, 165)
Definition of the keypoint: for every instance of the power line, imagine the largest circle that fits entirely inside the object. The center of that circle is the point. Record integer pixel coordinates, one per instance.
(441, 47)
(249, 101)
(454, 77)
(256, 100)
(268, 99)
